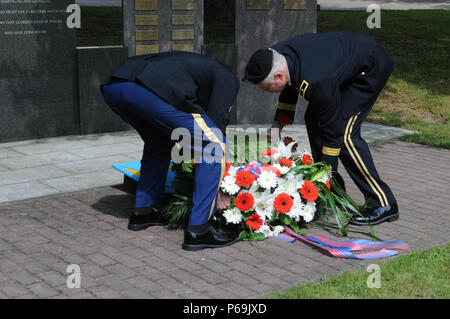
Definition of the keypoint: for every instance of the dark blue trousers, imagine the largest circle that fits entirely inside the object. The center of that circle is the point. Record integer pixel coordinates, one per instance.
(357, 99)
(155, 121)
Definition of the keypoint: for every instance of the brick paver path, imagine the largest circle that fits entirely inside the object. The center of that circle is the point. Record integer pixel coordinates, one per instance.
(40, 237)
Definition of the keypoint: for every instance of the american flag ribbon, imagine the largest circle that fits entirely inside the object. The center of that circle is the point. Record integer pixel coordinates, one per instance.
(253, 167)
(344, 249)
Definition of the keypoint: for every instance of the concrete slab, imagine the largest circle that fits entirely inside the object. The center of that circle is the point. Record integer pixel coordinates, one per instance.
(106, 150)
(84, 181)
(19, 162)
(50, 145)
(9, 193)
(8, 153)
(12, 177)
(93, 165)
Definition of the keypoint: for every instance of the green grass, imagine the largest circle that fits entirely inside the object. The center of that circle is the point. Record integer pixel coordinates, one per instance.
(416, 97)
(100, 26)
(419, 275)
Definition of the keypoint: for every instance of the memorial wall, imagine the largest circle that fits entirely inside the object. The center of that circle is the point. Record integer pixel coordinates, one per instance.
(152, 26)
(37, 67)
(48, 87)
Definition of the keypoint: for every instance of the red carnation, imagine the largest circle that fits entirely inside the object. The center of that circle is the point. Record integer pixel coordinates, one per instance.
(270, 168)
(309, 191)
(284, 161)
(254, 221)
(283, 203)
(244, 178)
(306, 159)
(244, 201)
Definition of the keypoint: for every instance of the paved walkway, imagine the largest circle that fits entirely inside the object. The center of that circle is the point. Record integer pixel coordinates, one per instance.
(39, 238)
(48, 166)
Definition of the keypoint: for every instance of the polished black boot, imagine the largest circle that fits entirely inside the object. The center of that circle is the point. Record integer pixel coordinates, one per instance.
(142, 220)
(212, 238)
(376, 215)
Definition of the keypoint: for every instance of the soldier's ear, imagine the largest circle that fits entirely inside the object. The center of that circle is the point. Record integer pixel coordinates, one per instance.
(278, 75)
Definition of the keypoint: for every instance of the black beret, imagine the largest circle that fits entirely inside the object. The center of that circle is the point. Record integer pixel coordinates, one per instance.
(259, 66)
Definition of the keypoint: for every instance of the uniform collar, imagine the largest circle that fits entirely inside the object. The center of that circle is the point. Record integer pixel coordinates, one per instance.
(292, 71)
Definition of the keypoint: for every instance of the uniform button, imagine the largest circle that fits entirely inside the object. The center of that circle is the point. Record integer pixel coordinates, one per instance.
(363, 73)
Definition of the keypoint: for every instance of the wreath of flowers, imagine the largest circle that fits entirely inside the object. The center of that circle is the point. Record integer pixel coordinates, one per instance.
(289, 190)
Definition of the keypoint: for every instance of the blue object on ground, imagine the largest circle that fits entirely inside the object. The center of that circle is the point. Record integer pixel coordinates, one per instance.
(132, 170)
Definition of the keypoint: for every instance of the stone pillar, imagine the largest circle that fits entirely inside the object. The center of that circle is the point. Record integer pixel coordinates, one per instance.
(152, 26)
(260, 24)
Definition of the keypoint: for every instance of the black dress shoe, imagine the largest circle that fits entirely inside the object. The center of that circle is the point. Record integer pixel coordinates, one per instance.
(141, 222)
(376, 215)
(210, 239)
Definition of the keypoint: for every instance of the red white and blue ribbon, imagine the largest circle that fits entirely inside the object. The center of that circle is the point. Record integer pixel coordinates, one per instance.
(253, 167)
(344, 249)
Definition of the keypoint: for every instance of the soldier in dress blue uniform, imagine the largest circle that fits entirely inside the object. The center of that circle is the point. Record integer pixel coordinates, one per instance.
(157, 94)
(341, 75)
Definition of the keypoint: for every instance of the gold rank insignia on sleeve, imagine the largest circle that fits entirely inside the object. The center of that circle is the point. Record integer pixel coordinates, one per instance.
(303, 88)
(331, 151)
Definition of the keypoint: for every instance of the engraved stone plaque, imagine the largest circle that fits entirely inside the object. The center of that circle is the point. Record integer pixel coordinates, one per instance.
(147, 19)
(258, 4)
(146, 35)
(294, 4)
(146, 4)
(183, 47)
(183, 34)
(147, 49)
(182, 4)
(182, 19)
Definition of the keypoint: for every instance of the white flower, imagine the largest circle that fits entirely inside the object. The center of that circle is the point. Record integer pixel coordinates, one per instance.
(254, 187)
(267, 179)
(229, 185)
(283, 169)
(265, 229)
(264, 204)
(297, 209)
(283, 150)
(233, 170)
(308, 212)
(233, 216)
(277, 230)
(324, 178)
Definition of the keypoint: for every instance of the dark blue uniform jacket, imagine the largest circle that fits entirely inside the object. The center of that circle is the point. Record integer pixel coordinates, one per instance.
(322, 65)
(190, 82)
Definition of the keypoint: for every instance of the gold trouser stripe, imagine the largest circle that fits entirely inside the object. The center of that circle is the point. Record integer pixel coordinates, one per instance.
(362, 168)
(331, 151)
(212, 137)
(287, 106)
